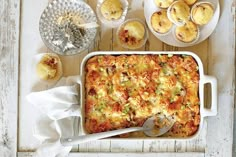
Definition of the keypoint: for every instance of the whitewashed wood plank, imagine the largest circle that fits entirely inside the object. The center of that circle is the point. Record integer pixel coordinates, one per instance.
(9, 54)
(221, 65)
(220, 136)
(127, 146)
(234, 135)
(192, 154)
(31, 44)
(95, 146)
(30, 36)
(159, 146)
(153, 44)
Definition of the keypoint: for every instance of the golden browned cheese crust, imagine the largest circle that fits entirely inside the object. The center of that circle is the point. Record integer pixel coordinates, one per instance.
(187, 33)
(123, 91)
(163, 3)
(160, 22)
(202, 13)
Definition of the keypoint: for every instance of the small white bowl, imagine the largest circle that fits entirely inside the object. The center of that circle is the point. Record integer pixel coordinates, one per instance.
(142, 43)
(112, 23)
(199, 3)
(170, 17)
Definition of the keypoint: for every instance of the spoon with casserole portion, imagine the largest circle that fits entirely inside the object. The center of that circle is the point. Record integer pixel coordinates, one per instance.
(156, 125)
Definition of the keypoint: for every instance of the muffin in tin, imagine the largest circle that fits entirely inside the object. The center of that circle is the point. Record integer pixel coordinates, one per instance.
(202, 13)
(190, 2)
(160, 22)
(179, 13)
(188, 33)
(163, 3)
(112, 9)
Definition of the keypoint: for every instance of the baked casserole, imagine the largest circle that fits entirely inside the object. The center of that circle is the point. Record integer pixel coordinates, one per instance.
(123, 91)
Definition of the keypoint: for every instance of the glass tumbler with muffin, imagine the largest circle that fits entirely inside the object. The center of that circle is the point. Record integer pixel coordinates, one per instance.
(132, 34)
(112, 12)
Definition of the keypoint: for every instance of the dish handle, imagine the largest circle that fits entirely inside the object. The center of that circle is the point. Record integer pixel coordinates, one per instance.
(79, 81)
(213, 110)
(75, 109)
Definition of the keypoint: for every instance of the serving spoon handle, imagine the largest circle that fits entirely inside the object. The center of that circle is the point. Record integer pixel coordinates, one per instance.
(88, 25)
(74, 140)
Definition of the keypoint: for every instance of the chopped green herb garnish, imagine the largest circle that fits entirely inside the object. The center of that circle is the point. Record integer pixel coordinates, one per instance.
(183, 107)
(188, 104)
(126, 110)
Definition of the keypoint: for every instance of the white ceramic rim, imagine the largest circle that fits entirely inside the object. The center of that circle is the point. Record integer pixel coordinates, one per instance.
(205, 30)
(204, 112)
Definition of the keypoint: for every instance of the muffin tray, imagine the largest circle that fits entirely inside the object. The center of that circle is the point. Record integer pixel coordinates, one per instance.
(169, 38)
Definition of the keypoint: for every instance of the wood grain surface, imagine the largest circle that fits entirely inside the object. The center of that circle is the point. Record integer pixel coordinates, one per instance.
(9, 56)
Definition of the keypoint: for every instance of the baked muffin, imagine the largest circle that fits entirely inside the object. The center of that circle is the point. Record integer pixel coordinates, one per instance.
(160, 22)
(202, 13)
(179, 13)
(49, 67)
(132, 34)
(187, 33)
(112, 9)
(190, 2)
(163, 3)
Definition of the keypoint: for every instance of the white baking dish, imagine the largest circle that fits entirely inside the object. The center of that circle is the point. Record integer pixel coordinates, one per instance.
(204, 112)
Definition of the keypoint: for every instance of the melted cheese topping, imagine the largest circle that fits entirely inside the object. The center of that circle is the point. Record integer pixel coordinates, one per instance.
(123, 91)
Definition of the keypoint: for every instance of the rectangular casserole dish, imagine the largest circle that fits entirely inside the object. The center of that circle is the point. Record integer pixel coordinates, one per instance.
(203, 79)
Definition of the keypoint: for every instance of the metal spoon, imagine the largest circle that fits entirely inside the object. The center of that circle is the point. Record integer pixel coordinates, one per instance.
(148, 128)
(87, 25)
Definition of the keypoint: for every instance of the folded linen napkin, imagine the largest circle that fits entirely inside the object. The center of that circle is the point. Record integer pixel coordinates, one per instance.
(60, 111)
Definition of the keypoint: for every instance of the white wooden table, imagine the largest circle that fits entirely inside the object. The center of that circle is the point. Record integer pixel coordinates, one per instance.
(20, 41)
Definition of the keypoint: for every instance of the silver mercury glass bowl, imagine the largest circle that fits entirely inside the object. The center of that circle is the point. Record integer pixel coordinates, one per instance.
(61, 26)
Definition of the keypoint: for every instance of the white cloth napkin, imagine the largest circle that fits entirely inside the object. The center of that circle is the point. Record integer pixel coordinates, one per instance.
(60, 110)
